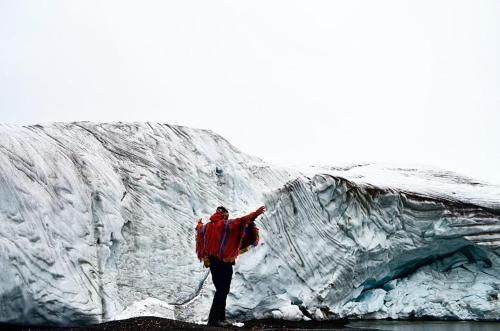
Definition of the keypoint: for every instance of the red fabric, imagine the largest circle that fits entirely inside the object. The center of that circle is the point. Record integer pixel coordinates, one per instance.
(222, 238)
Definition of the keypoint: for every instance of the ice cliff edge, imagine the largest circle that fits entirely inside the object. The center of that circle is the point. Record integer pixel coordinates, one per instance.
(99, 218)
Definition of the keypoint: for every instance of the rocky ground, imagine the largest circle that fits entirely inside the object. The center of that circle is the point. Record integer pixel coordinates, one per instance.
(155, 323)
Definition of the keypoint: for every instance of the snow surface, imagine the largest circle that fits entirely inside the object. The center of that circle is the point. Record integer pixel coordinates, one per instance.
(148, 307)
(98, 224)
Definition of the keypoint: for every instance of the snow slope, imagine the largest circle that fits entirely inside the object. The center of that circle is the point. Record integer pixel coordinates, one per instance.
(98, 223)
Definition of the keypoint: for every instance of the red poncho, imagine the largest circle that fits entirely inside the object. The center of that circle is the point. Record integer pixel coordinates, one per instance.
(225, 239)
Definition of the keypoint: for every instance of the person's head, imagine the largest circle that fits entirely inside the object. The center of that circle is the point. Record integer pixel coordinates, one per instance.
(222, 210)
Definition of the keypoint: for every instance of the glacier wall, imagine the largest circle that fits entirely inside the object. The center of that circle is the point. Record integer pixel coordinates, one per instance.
(355, 250)
(98, 223)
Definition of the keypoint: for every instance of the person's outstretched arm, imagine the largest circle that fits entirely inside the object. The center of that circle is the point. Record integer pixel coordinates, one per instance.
(247, 219)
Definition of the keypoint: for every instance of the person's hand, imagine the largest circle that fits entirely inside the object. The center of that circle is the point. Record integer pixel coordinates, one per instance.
(261, 210)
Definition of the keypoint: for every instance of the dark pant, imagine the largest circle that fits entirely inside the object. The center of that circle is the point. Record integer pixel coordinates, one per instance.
(222, 272)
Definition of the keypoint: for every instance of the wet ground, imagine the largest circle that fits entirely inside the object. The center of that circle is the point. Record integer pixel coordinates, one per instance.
(154, 323)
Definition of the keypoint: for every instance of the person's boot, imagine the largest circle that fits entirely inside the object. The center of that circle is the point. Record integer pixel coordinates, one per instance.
(212, 323)
(224, 323)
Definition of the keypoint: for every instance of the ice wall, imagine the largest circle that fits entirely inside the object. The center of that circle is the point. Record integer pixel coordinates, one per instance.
(98, 216)
(97, 219)
(354, 250)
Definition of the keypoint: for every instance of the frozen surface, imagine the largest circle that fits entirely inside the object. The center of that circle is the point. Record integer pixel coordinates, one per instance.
(148, 307)
(98, 224)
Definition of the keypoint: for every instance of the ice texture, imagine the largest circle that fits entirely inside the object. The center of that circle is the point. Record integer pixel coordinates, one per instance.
(97, 223)
(148, 307)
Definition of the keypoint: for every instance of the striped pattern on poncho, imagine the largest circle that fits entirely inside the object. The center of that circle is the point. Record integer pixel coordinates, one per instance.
(225, 239)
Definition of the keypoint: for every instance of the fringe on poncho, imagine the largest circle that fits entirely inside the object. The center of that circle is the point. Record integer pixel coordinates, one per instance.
(225, 239)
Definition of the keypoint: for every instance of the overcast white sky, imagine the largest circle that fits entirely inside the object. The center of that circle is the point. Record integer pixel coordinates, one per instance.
(315, 82)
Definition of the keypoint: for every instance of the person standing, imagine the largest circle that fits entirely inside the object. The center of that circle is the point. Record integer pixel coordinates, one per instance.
(218, 244)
